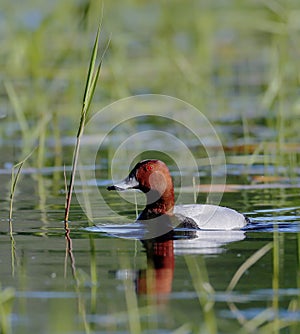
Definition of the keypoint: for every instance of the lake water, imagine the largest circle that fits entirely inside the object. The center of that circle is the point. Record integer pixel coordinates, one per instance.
(216, 282)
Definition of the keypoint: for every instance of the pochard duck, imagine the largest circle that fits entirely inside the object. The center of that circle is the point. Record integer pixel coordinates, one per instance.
(153, 178)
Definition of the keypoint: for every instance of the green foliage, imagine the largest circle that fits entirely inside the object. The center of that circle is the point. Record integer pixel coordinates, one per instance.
(235, 61)
(6, 302)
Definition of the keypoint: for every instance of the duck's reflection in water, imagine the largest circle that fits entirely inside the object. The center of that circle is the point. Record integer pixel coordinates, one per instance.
(157, 278)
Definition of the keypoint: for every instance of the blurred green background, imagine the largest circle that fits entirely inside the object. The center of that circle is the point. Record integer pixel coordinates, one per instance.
(236, 61)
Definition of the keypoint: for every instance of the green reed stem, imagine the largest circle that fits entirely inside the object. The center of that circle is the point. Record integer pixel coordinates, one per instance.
(247, 264)
(14, 180)
(91, 82)
(6, 297)
(204, 290)
(275, 281)
(131, 301)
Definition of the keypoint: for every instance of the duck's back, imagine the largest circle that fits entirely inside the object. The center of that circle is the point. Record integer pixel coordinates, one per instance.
(211, 217)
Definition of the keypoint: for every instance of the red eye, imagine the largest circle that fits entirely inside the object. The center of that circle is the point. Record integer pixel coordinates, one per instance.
(149, 167)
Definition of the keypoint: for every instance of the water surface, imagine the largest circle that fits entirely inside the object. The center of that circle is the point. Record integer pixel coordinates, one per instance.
(110, 283)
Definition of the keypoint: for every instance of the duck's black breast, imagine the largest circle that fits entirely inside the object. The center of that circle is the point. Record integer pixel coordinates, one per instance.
(186, 222)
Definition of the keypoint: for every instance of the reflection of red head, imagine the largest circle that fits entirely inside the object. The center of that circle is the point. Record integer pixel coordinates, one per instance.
(158, 277)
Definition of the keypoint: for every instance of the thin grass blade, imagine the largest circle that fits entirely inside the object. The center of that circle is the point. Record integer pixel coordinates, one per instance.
(14, 181)
(247, 264)
(91, 69)
(94, 81)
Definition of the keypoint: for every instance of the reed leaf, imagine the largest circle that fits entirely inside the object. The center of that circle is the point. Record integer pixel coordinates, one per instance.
(91, 82)
(91, 71)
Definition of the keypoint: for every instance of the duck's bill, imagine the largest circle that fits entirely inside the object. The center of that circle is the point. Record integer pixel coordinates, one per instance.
(126, 184)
